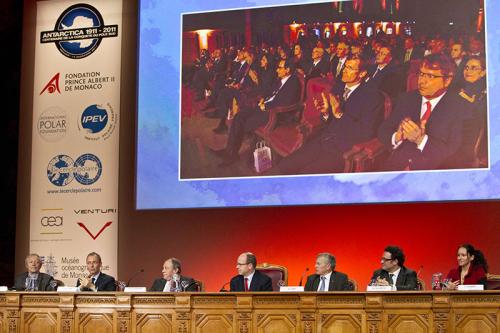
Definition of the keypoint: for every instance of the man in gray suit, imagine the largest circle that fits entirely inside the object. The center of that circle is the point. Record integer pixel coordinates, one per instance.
(33, 279)
(326, 278)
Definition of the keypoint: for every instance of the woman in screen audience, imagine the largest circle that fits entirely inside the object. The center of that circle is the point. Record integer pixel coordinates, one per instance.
(472, 268)
(267, 75)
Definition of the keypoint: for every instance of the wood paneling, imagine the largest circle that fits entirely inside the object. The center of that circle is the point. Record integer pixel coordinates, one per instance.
(348, 312)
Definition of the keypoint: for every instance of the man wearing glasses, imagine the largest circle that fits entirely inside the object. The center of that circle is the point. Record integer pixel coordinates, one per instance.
(249, 279)
(393, 273)
(425, 126)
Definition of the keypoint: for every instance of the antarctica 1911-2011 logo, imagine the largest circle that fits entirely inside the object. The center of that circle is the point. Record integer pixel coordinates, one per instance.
(78, 31)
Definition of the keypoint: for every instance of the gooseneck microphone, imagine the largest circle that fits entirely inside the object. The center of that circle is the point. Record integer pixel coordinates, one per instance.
(134, 276)
(302, 276)
(223, 288)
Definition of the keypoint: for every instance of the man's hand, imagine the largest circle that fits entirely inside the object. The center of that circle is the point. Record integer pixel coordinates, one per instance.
(322, 106)
(381, 282)
(413, 132)
(87, 283)
(335, 104)
(262, 105)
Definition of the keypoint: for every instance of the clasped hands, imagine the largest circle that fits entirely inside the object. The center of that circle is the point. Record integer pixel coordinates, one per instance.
(86, 282)
(381, 282)
(409, 130)
(325, 104)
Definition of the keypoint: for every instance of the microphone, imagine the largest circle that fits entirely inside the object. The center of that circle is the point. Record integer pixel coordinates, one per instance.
(420, 269)
(185, 284)
(223, 289)
(134, 276)
(302, 276)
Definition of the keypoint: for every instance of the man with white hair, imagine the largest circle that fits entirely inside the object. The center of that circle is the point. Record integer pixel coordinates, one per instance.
(33, 279)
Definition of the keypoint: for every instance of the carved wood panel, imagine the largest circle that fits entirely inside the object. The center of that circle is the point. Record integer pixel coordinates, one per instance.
(284, 321)
(39, 322)
(341, 322)
(95, 323)
(408, 321)
(477, 322)
(153, 322)
(212, 322)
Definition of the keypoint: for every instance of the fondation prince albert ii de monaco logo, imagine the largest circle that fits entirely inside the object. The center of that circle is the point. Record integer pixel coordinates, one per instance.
(78, 31)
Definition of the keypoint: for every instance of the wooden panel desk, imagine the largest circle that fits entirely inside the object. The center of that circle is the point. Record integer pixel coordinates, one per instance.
(413, 312)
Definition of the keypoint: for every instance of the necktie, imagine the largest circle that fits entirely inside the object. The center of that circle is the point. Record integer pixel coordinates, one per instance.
(390, 278)
(322, 284)
(407, 55)
(93, 280)
(339, 68)
(246, 284)
(427, 113)
(346, 93)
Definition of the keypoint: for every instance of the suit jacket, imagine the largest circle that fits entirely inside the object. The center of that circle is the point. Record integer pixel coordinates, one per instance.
(289, 94)
(43, 282)
(159, 284)
(363, 113)
(390, 79)
(444, 129)
(407, 278)
(319, 70)
(260, 282)
(333, 68)
(338, 282)
(103, 283)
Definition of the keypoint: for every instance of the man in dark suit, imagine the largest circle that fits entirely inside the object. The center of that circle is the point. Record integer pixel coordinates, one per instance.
(385, 74)
(33, 279)
(410, 52)
(338, 62)
(351, 114)
(393, 273)
(326, 278)
(426, 126)
(457, 54)
(172, 279)
(96, 280)
(249, 279)
(318, 66)
(285, 92)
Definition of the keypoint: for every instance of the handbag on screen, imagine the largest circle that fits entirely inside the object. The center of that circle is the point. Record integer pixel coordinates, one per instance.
(262, 157)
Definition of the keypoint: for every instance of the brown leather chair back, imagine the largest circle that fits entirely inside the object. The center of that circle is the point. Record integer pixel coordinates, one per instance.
(277, 273)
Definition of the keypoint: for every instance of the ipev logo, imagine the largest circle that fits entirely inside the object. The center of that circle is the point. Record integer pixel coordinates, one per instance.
(61, 170)
(78, 31)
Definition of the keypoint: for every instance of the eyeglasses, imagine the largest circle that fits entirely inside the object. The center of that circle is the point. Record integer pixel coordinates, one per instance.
(472, 68)
(385, 259)
(430, 76)
(352, 68)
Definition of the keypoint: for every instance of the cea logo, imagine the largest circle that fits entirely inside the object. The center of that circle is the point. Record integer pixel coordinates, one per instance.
(51, 221)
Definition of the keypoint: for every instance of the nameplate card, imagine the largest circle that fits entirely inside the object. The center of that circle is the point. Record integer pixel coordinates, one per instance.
(465, 287)
(291, 288)
(4, 288)
(63, 289)
(379, 288)
(135, 289)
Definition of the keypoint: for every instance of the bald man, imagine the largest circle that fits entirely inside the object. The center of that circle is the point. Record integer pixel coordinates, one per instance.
(248, 278)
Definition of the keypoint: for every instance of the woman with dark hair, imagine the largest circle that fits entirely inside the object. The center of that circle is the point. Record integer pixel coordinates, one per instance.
(472, 268)
(267, 75)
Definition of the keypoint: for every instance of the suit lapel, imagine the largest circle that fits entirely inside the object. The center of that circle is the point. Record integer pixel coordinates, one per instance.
(163, 282)
(315, 283)
(401, 277)
(332, 278)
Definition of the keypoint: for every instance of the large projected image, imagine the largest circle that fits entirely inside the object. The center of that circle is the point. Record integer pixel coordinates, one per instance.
(282, 103)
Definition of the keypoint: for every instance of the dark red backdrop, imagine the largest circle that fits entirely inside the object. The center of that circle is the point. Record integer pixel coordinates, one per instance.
(209, 240)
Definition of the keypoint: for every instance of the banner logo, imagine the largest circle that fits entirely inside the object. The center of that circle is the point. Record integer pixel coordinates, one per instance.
(52, 86)
(52, 124)
(98, 121)
(51, 221)
(61, 170)
(88, 231)
(78, 31)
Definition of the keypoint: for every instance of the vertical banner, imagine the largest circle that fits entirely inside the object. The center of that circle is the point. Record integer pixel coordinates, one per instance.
(76, 106)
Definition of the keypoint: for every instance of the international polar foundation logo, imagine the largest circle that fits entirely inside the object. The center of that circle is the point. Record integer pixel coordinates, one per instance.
(97, 121)
(61, 170)
(78, 31)
(52, 124)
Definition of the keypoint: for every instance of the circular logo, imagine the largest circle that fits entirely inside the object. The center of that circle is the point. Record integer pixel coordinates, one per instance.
(88, 169)
(52, 124)
(60, 170)
(79, 16)
(94, 119)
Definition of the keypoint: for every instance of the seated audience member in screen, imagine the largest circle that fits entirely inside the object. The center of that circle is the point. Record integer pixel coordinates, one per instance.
(172, 279)
(96, 280)
(33, 279)
(472, 268)
(326, 278)
(393, 272)
(426, 126)
(249, 279)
